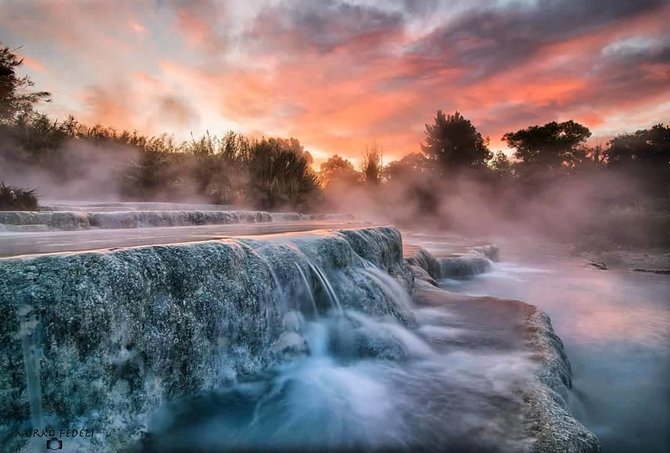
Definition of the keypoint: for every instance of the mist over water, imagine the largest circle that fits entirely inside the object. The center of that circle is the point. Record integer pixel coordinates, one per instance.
(307, 339)
(616, 329)
(363, 382)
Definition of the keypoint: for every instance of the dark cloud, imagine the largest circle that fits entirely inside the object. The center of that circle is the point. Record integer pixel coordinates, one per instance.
(510, 117)
(489, 40)
(636, 51)
(618, 82)
(324, 26)
(632, 76)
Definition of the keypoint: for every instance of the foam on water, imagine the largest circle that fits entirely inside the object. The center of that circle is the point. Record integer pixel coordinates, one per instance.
(364, 381)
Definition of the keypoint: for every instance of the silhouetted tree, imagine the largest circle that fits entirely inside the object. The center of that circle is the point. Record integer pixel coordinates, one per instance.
(279, 173)
(453, 142)
(552, 147)
(411, 166)
(644, 154)
(228, 183)
(337, 171)
(501, 164)
(15, 97)
(646, 147)
(372, 164)
(596, 155)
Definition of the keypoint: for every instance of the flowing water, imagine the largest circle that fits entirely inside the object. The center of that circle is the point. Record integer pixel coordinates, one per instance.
(355, 363)
(616, 330)
(362, 381)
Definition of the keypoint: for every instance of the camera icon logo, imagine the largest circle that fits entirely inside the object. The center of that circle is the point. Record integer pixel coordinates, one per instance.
(54, 444)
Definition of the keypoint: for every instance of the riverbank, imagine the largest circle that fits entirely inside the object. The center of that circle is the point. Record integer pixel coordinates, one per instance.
(654, 260)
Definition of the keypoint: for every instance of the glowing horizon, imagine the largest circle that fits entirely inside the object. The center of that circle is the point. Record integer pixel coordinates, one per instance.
(339, 74)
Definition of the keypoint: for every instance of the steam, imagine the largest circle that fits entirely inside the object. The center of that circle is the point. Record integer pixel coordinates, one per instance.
(83, 171)
(589, 209)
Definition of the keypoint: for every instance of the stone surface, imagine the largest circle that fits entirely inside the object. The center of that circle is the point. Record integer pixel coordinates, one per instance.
(134, 218)
(477, 260)
(124, 331)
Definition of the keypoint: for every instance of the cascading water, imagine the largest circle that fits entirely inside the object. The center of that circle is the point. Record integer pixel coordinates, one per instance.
(308, 288)
(332, 296)
(362, 381)
(293, 342)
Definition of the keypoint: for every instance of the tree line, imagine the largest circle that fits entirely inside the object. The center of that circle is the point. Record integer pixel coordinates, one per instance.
(541, 154)
(267, 172)
(274, 173)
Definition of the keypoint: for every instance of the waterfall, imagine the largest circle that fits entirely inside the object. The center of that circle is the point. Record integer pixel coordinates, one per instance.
(332, 296)
(389, 286)
(294, 340)
(309, 290)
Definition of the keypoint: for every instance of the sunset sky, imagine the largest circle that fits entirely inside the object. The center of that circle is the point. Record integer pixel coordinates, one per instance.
(339, 74)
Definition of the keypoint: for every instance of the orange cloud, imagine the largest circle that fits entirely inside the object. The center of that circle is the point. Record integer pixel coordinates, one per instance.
(338, 75)
(33, 64)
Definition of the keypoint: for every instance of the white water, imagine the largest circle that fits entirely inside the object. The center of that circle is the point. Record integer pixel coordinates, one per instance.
(365, 382)
(616, 329)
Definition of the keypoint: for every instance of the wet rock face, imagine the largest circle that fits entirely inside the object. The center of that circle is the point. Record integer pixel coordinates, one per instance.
(76, 220)
(423, 259)
(464, 266)
(549, 424)
(138, 219)
(119, 334)
(382, 247)
(63, 220)
(122, 332)
(509, 325)
(79, 220)
(490, 251)
(549, 420)
(477, 261)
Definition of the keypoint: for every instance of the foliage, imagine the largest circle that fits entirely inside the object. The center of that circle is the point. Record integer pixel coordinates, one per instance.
(371, 169)
(454, 143)
(645, 155)
(279, 173)
(267, 173)
(552, 147)
(276, 173)
(501, 164)
(16, 199)
(15, 97)
(407, 167)
(646, 147)
(337, 171)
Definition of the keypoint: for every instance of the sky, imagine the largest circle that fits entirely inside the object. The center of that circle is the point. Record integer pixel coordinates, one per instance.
(340, 74)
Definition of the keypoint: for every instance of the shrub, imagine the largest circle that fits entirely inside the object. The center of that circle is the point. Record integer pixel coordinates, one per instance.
(16, 199)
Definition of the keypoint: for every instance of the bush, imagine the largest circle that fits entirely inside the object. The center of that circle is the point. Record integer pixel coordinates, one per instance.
(16, 199)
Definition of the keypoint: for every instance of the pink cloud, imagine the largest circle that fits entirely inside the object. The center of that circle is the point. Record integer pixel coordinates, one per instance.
(338, 76)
